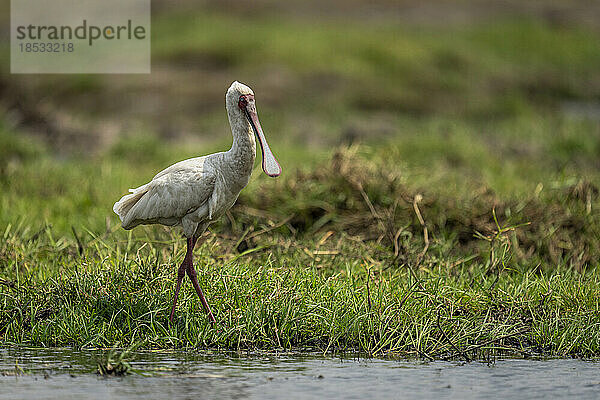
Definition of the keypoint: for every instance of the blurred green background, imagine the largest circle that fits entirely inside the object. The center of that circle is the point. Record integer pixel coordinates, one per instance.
(330, 72)
(458, 98)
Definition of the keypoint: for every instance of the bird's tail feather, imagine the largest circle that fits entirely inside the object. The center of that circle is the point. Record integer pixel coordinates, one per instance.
(123, 206)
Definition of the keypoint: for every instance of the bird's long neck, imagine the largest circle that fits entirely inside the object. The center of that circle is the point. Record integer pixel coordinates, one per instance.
(243, 150)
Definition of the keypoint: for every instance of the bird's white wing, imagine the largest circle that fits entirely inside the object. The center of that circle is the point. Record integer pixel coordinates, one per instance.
(196, 164)
(174, 192)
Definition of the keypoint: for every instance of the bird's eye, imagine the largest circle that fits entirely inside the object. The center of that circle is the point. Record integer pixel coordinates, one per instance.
(242, 103)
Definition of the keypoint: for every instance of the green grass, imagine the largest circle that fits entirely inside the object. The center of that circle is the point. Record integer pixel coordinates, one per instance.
(284, 300)
(382, 129)
(304, 262)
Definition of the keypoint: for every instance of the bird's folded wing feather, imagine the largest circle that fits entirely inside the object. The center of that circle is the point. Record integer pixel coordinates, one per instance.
(172, 193)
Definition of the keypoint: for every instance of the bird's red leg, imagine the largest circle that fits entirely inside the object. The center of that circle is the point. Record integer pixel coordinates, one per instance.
(192, 274)
(181, 272)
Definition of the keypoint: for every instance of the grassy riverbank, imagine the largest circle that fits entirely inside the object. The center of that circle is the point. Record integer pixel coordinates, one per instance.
(331, 256)
(439, 195)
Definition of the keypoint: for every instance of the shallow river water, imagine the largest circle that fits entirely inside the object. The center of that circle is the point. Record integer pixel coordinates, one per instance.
(68, 374)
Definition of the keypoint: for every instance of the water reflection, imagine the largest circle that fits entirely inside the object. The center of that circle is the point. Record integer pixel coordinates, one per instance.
(64, 373)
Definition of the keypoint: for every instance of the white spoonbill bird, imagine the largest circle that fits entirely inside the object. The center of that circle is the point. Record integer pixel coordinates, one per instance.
(195, 192)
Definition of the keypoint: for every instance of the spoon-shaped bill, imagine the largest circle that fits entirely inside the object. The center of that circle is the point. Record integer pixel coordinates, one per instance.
(269, 163)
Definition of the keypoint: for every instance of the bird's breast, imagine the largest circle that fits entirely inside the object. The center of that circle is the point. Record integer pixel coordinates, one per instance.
(225, 194)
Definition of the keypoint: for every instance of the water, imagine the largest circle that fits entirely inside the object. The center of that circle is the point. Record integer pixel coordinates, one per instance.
(68, 374)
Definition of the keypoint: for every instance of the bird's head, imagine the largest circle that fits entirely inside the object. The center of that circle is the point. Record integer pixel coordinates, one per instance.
(240, 102)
